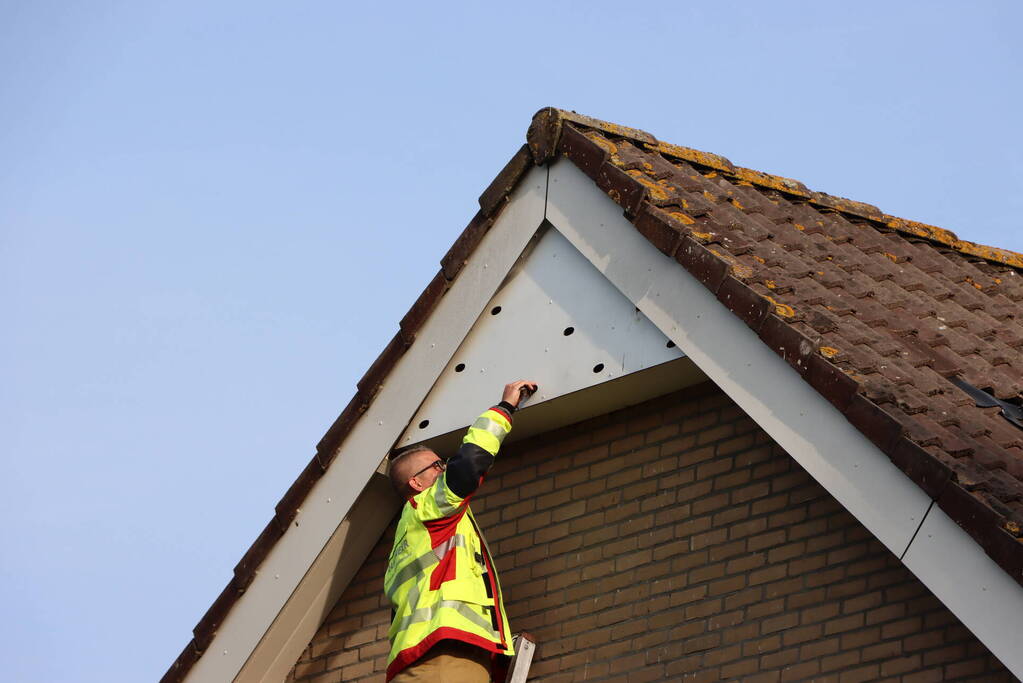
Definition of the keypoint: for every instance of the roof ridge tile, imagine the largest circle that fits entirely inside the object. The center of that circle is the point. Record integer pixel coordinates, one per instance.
(547, 128)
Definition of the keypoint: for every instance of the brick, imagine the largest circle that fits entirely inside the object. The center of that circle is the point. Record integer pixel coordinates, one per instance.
(804, 597)
(725, 620)
(862, 602)
(629, 443)
(708, 538)
(746, 528)
(741, 633)
(805, 565)
(864, 673)
(944, 655)
(344, 658)
(684, 665)
(743, 598)
(711, 503)
(768, 574)
(846, 588)
(779, 659)
(900, 628)
(771, 504)
(819, 613)
(703, 609)
(886, 650)
(354, 671)
(715, 434)
(823, 578)
(861, 638)
(739, 669)
(306, 669)
(802, 634)
(786, 552)
(785, 621)
(684, 632)
(901, 665)
(800, 671)
(761, 645)
(706, 573)
(745, 563)
(765, 608)
(766, 540)
(729, 585)
(843, 624)
(842, 660)
(818, 648)
(628, 628)
(959, 670)
(928, 676)
(751, 492)
(702, 643)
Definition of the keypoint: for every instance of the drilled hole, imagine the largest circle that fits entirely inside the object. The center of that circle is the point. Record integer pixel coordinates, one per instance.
(598, 367)
(670, 344)
(568, 331)
(495, 310)
(460, 367)
(424, 424)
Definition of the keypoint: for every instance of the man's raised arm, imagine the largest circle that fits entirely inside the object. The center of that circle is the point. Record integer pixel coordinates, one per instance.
(467, 468)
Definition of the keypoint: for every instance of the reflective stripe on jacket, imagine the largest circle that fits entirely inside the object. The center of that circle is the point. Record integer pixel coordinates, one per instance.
(440, 578)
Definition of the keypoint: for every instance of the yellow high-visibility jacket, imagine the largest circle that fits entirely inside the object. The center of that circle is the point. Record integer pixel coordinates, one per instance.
(440, 578)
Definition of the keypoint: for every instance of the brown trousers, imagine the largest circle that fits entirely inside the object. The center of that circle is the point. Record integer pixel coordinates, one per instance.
(449, 661)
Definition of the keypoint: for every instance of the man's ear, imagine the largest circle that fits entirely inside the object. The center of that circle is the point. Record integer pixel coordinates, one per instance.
(415, 485)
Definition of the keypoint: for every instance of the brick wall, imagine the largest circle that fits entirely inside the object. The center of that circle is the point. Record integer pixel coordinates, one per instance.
(675, 541)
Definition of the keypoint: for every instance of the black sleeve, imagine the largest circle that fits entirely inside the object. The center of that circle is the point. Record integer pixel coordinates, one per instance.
(466, 467)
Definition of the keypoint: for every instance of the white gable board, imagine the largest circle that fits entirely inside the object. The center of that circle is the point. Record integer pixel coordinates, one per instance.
(555, 320)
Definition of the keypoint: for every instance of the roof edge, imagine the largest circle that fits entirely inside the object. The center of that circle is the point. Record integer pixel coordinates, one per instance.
(545, 133)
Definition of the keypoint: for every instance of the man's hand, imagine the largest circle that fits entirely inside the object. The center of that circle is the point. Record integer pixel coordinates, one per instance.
(513, 393)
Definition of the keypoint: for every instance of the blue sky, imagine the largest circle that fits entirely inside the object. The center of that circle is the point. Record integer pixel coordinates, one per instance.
(212, 217)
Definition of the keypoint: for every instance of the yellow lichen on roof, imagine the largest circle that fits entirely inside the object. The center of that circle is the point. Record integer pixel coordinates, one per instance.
(745, 176)
(657, 191)
(694, 156)
(929, 232)
(774, 182)
(1009, 258)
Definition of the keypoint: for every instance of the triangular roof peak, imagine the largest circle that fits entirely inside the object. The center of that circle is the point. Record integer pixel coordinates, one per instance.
(884, 321)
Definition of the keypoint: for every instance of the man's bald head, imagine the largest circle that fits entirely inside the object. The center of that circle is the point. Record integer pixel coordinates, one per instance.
(406, 464)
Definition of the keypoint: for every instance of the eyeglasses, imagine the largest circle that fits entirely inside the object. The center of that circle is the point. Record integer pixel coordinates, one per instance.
(441, 465)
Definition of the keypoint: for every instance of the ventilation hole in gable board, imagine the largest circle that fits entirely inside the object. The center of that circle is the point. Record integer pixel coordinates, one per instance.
(424, 424)
(568, 331)
(670, 344)
(460, 367)
(598, 367)
(495, 310)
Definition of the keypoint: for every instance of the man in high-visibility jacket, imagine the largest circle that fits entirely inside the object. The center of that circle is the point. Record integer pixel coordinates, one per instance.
(449, 622)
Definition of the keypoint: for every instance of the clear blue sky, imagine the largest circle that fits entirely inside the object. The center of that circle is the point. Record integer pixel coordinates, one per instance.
(213, 215)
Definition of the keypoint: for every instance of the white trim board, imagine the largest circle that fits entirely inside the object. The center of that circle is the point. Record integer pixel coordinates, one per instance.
(813, 431)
